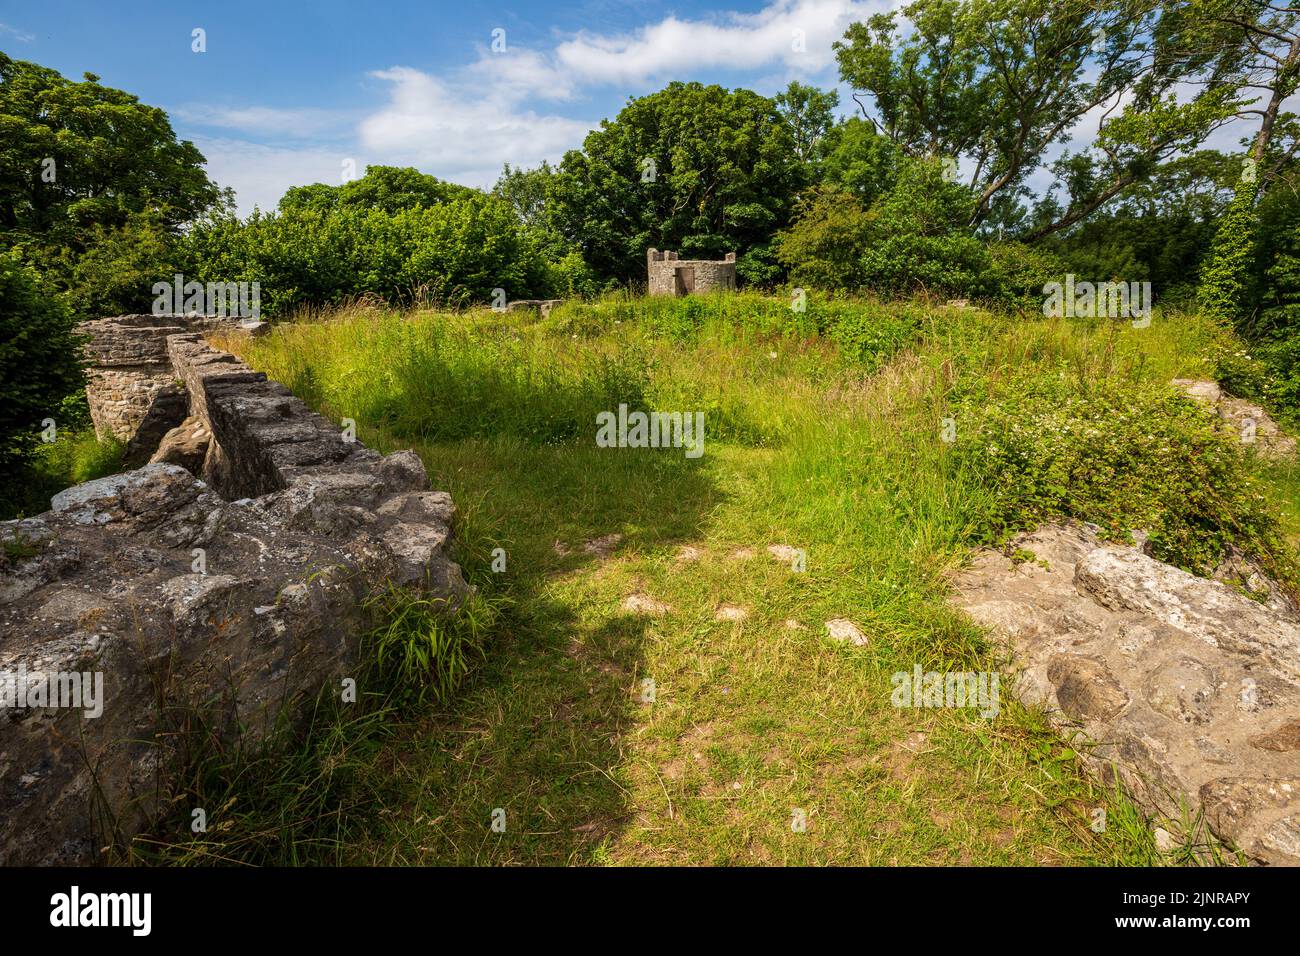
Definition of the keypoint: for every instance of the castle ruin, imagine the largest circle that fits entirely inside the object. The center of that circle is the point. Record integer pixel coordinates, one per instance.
(669, 275)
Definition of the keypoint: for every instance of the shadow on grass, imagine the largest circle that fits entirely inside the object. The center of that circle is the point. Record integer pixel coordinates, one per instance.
(537, 730)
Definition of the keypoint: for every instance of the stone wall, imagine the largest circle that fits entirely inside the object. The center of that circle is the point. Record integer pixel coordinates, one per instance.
(1183, 688)
(669, 275)
(132, 393)
(222, 597)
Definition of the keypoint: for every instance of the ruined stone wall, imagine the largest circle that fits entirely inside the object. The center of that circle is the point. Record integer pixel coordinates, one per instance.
(228, 595)
(669, 275)
(1183, 688)
(132, 392)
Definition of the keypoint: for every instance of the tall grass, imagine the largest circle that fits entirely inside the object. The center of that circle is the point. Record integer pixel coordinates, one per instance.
(825, 429)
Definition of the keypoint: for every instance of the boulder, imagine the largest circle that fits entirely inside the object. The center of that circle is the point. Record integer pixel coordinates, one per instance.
(1183, 688)
(1248, 422)
(185, 445)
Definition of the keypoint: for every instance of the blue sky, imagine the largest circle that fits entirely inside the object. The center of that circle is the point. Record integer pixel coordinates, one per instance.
(287, 94)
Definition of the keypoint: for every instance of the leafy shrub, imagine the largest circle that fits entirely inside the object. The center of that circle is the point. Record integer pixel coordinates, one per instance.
(824, 247)
(318, 255)
(1021, 271)
(116, 274)
(570, 277)
(918, 241)
(40, 358)
(870, 336)
(1225, 273)
(1282, 391)
(1125, 455)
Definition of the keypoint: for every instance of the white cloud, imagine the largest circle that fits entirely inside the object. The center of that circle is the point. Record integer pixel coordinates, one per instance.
(22, 36)
(464, 124)
(798, 33)
(266, 120)
(260, 174)
(459, 134)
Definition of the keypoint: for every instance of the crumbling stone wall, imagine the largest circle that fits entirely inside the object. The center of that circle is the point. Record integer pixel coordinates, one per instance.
(669, 275)
(228, 595)
(1183, 688)
(132, 392)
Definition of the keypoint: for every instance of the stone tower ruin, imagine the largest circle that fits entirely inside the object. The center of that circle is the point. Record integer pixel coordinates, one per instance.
(669, 275)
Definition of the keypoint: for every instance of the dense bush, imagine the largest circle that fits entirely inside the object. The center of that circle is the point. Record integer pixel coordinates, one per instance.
(698, 169)
(457, 251)
(825, 246)
(913, 239)
(1020, 272)
(117, 272)
(1127, 455)
(40, 358)
(918, 241)
(78, 160)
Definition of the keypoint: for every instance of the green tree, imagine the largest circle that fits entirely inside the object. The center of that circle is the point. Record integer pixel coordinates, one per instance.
(913, 239)
(40, 357)
(810, 113)
(854, 157)
(117, 272)
(457, 251)
(918, 240)
(77, 158)
(390, 188)
(698, 169)
(823, 247)
(1259, 51)
(992, 84)
(525, 191)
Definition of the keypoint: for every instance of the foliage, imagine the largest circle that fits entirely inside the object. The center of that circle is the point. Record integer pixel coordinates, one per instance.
(854, 157)
(525, 191)
(456, 251)
(40, 359)
(697, 169)
(389, 188)
(996, 82)
(810, 112)
(917, 239)
(116, 273)
(824, 246)
(1021, 270)
(1122, 453)
(1225, 273)
(78, 159)
(912, 240)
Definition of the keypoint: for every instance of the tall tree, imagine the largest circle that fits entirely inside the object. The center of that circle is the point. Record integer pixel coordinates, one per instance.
(699, 169)
(390, 188)
(810, 113)
(992, 84)
(525, 190)
(1259, 50)
(77, 157)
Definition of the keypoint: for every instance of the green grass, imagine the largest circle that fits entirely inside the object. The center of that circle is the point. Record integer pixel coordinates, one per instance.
(75, 456)
(824, 434)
